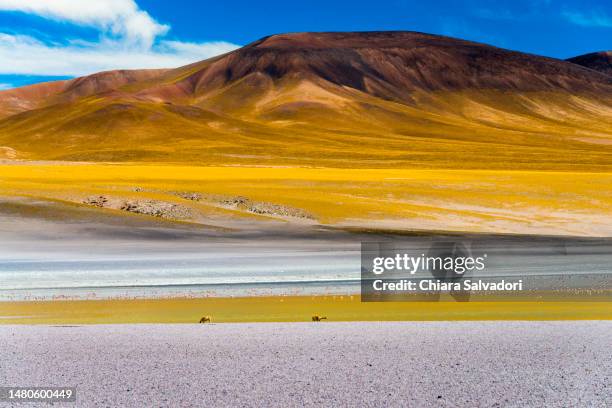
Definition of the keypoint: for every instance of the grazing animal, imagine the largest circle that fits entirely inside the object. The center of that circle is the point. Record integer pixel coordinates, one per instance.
(205, 319)
(317, 318)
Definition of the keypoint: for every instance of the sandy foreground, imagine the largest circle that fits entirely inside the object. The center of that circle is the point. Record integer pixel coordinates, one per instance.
(488, 364)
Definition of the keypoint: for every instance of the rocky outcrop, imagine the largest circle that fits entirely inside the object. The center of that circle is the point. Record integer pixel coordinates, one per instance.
(154, 208)
(242, 203)
(97, 201)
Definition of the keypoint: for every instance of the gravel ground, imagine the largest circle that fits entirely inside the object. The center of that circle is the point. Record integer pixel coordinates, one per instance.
(471, 364)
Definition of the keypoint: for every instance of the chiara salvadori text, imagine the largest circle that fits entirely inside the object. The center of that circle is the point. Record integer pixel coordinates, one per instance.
(405, 285)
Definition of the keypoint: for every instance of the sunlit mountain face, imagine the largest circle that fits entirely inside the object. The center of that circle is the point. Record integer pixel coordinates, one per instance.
(381, 99)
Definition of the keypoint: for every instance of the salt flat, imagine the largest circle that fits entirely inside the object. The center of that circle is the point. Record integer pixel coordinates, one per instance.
(563, 363)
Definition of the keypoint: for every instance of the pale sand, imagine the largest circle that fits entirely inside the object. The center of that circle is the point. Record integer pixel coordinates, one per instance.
(472, 364)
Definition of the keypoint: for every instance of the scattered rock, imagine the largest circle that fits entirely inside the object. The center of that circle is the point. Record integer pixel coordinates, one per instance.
(190, 196)
(96, 201)
(156, 209)
(246, 204)
(153, 208)
(278, 210)
(263, 208)
(239, 202)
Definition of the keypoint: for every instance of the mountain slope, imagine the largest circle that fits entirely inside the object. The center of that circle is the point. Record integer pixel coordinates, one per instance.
(599, 61)
(378, 99)
(30, 97)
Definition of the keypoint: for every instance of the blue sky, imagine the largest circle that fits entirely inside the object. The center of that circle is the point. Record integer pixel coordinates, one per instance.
(53, 39)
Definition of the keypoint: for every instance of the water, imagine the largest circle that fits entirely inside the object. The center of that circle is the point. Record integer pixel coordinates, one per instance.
(231, 273)
(127, 269)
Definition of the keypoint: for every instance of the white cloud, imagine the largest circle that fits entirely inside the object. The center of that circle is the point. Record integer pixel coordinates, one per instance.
(28, 56)
(121, 18)
(129, 39)
(593, 19)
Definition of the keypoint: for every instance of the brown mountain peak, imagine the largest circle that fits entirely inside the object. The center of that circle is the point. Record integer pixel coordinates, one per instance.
(392, 65)
(357, 39)
(598, 61)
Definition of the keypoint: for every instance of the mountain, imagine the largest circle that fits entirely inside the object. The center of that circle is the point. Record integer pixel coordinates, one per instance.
(599, 61)
(370, 99)
(48, 93)
(391, 65)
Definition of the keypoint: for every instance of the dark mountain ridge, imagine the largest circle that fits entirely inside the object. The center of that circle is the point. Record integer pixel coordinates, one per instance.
(598, 61)
(392, 65)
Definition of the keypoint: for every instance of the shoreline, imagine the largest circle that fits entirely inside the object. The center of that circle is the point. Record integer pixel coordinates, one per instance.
(288, 309)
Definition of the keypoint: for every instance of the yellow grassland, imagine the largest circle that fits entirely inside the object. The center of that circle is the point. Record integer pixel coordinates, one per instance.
(532, 202)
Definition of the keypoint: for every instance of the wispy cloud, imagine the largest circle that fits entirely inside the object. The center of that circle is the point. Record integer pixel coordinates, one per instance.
(128, 38)
(121, 18)
(26, 55)
(591, 19)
